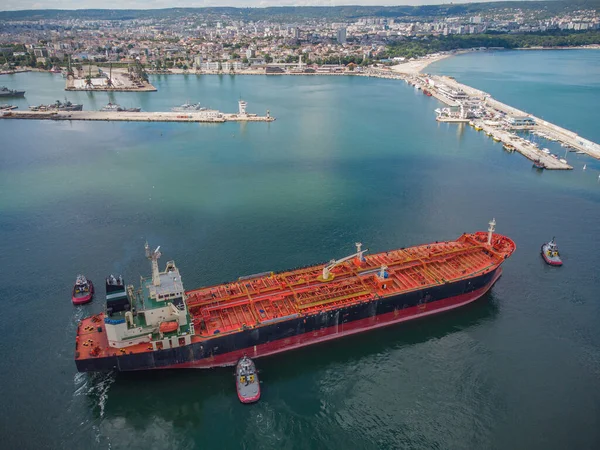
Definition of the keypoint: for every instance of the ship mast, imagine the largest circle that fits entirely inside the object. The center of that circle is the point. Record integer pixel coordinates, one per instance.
(153, 257)
(491, 230)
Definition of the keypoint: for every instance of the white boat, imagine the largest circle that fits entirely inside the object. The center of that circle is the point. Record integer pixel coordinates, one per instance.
(562, 160)
(546, 151)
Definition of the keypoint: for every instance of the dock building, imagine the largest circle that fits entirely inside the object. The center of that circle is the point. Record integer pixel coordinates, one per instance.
(453, 94)
(520, 121)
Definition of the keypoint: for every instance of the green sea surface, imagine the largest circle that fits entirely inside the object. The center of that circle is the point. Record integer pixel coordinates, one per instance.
(348, 159)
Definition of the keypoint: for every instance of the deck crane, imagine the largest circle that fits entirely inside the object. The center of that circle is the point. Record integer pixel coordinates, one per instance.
(328, 276)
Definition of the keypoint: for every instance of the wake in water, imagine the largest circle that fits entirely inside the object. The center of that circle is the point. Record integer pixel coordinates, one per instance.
(95, 386)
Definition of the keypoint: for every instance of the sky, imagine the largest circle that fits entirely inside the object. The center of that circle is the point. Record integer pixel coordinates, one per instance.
(11, 5)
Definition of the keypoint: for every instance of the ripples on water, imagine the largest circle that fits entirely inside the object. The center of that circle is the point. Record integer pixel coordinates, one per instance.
(518, 369)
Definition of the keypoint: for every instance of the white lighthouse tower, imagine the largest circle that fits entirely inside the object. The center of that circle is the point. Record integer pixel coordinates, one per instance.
(242, 107)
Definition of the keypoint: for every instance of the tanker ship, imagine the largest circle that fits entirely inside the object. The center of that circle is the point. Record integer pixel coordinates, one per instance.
(160, 325)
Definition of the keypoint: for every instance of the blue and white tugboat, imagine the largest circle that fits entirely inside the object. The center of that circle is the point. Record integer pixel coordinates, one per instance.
(246, 380)
(550, 254)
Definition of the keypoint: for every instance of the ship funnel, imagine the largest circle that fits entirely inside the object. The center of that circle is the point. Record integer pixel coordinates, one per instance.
(491, 230)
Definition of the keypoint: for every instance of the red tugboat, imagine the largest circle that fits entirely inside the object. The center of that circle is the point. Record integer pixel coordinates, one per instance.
(550, 254)
(246, 380)
(83, 291)
(270, 313)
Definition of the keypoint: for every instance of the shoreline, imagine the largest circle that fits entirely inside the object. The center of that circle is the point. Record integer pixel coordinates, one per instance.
(414, 67)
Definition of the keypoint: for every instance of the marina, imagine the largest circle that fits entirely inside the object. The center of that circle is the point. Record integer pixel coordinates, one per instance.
(502, 122)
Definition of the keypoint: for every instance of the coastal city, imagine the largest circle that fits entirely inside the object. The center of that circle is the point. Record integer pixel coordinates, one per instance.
(217, 40)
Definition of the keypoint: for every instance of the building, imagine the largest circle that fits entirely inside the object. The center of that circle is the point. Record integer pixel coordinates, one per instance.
(232, 65)
(40, 52)
(341, 35)
(330, 68)
(209, 66)
(453, 94)
(520, 121)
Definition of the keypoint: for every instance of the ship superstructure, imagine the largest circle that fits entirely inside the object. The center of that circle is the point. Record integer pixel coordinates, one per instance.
(141, 317)
(268, 313)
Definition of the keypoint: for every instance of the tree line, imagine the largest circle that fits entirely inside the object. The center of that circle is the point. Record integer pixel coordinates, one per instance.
(421, 46)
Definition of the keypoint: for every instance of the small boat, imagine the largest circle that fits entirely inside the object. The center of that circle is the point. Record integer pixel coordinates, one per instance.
(188, 107)
(246, 380)
(496, 138)
(168, 327)
(546, 151)
(550, 254)
(477, 128)
(562, 160)
(538, 164)
(83, 291)
(113, 107)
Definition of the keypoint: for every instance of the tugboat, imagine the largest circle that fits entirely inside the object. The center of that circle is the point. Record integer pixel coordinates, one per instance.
(550, 254)
(246, 380)
(83, 291)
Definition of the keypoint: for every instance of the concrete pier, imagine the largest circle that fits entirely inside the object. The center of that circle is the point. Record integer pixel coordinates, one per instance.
(501, 127)
(523, 146)
(136, 116)
(119, 82)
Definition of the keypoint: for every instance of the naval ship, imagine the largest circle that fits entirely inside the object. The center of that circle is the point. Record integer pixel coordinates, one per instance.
(5, 92)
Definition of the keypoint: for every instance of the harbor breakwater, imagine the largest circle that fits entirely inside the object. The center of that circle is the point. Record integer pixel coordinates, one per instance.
(123, 116)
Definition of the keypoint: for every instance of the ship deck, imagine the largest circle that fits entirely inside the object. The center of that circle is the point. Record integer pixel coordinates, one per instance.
(271, 297)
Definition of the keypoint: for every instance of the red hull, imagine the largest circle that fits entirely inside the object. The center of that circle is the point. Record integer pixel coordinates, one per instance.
(249, 399)
(326, 334)
(553, 263)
